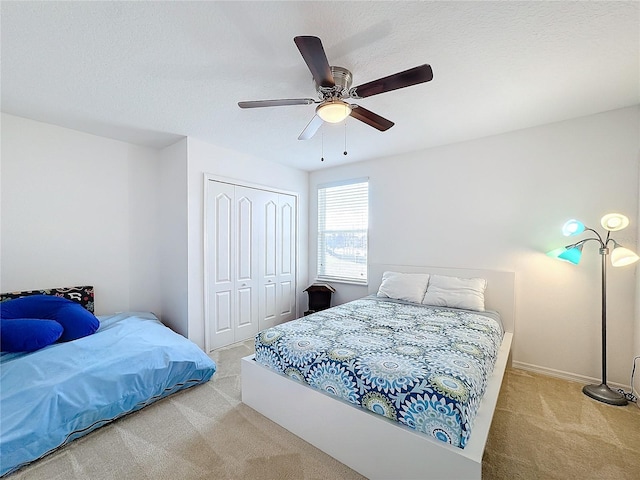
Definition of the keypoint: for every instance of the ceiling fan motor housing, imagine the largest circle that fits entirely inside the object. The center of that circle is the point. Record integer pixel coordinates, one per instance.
(342, 79)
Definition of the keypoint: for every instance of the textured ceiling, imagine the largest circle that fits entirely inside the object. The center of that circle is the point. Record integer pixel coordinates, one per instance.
(152, 72)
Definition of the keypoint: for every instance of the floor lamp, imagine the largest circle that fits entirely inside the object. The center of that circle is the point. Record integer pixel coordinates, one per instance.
(620, 257)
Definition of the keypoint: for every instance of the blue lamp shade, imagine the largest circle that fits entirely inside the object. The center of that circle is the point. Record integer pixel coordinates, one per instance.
(556, 252)
(572, 255)
(572, 227)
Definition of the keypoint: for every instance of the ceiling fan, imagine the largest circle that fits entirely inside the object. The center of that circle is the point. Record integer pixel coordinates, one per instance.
(333, 85)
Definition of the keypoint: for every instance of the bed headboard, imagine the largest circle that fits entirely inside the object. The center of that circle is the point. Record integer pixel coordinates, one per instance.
(82, 295)
(499, 295)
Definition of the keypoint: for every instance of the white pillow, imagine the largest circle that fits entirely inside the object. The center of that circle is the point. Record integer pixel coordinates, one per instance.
(404, 286)
(455, 292)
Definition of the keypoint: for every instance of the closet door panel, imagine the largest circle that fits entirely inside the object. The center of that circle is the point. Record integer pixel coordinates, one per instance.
(246, 282)
(286, 299)
(287, 237)
(245, 240)
(269, 303)
(270, 237)
(222, 239)
(245, 310)
(223, 311)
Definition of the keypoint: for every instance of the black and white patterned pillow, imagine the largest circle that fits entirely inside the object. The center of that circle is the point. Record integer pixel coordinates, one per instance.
(82, 295)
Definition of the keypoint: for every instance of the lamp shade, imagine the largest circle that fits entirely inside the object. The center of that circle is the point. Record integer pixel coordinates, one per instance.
(572, 254)
(621, 257)
(614, 222)
(334, 111)
(572, 227)
(556, 252)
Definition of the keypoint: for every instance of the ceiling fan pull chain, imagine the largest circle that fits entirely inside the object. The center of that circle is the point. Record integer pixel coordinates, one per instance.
(345, 137)
(322, 143)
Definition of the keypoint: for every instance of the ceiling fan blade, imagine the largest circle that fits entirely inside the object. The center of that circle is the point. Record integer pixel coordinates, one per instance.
(313, 53)
(370, 118)
(413, 76)
(311, 128)
(276, 103)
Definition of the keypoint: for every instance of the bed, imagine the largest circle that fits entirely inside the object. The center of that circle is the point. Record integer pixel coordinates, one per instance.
(56, 394)
(370, 443)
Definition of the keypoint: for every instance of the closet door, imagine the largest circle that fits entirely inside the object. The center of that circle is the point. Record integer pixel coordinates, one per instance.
(221, 251)
(269, 308)
(278, 260)
(248, 221)
(250, 263)
(287, 258)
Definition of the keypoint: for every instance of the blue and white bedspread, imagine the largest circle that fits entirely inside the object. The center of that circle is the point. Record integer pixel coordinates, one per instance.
(66, 390)
(425, 367)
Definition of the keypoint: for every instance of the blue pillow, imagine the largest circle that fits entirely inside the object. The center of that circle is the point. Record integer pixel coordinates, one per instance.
(76, 321)
(27, 334)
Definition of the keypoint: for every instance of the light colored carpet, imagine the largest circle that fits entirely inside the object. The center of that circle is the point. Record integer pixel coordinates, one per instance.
(546, 428)
(543, 428)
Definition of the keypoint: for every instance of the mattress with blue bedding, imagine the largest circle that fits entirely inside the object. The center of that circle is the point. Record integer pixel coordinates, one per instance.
(64, 391)
(422, 366)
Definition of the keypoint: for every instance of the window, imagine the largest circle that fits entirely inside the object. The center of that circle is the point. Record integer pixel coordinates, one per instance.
(343, 218)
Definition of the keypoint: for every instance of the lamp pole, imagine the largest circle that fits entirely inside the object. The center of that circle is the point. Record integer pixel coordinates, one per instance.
(604, 251)
(602, 392)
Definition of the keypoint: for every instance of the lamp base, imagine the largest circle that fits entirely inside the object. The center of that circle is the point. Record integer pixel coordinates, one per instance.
(603, 393)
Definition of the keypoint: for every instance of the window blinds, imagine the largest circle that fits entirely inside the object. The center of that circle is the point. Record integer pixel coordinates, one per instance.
(343, 217)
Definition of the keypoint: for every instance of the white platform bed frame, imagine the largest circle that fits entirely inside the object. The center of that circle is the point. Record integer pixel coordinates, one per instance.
(370, 444)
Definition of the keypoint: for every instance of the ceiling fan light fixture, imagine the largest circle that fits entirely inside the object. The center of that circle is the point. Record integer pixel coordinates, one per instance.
(333, 111)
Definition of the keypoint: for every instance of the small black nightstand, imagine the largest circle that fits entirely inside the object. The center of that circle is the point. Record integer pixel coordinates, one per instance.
(319, 297)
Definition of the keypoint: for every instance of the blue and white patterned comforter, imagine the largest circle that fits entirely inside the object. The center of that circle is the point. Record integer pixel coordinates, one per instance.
(425, 367)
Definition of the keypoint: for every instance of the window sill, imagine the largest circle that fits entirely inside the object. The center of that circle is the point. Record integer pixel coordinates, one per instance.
(341, 281)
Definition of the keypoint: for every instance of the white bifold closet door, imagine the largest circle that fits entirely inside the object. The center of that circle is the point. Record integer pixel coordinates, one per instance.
(251, 261)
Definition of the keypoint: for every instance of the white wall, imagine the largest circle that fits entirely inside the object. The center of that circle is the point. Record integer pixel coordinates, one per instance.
(499, 203)
(205, 158)
(173, 242)
(636, 341)
(82, 209)
(79, 209)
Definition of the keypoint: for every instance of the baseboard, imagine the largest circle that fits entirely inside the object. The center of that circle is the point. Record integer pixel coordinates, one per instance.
(552, 372)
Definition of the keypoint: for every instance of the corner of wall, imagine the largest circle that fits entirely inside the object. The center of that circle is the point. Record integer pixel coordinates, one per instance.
(636, 325)
(173, 236)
